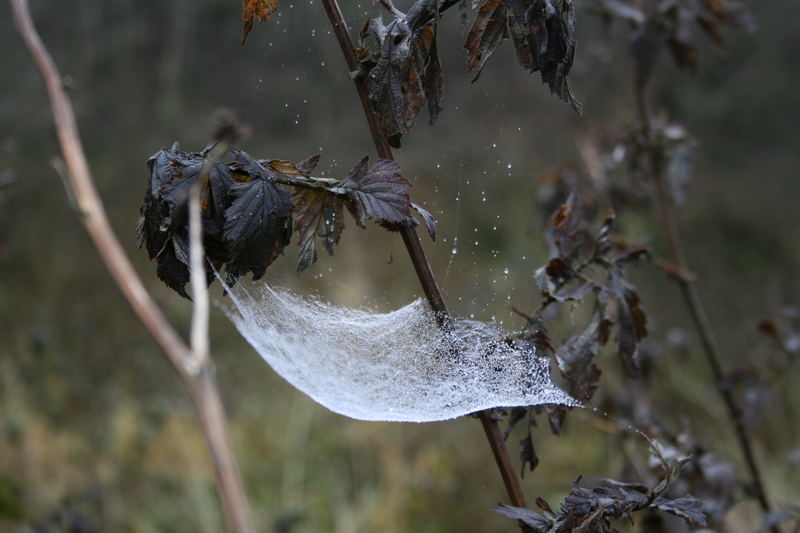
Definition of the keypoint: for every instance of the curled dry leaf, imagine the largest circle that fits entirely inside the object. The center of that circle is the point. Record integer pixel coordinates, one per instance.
(258, 222)
(316, 214)
(430, 222)
(402, 73)
(248, 218)
(163, 221)
(253, 10)
(542, 32)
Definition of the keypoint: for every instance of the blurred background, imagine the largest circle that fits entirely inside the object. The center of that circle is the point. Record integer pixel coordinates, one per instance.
(95, 428)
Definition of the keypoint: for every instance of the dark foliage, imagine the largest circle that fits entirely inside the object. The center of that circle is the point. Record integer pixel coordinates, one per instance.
(598, 507)
(399, 61)
(402, 71)
(248, 216)
(675, 24)
(542, 32)
(571, 275)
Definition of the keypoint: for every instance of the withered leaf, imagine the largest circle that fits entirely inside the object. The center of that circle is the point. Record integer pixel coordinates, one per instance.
(527, 454)
(598, 507)
(163, 214)
(538, 523)
(380, 193)
(516, 414)
(316, 214)
(288, 168)
(575, 356)
(543, 35)
(487, 33)
(172, 271)
(688, 508)
(568, 231)
(258, 225)
(558, 280)
(256, 10)
(631, 319)
(403, 73)
(430, 222)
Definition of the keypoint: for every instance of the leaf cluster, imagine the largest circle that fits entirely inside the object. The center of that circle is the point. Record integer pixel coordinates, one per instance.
(581, 265)
(249, 216)
(598, 507)
(542, 32)
(402, 73)
(674, 24)
(399, 61)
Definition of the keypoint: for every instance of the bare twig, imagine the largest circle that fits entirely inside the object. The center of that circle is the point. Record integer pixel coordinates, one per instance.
(411, 240)
(694, 303)
(198, 378)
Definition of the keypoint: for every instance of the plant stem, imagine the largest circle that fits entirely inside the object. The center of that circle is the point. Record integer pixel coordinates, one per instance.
(194, 369)
(491, 427)
(694, 303)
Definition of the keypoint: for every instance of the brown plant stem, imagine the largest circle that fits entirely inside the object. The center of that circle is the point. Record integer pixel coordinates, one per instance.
(411, 240)
(195, 369)
(694, 303)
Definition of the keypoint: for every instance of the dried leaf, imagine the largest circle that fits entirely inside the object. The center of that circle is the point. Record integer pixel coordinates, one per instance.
(516, 414)
(575, 356)
(316, 214)
(688, 508)
(258, 225)
(527, 454)
(256, 10)
(538, 523)
(287, 168)
(162, 227)
(568, 232)
(403, 72)
(488, 31)
(631, 319)
(430, 222)
(380, 193)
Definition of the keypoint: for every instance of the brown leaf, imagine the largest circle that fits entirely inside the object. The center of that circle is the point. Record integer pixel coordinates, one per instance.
(287, 168)
(567, 223)
(380, 193)
(403, 73)
(488, 31)
(316, 214)
(430, 222)
(527, 454)
(543, 36)
(575, 356)
(256, 10)
(631, 319)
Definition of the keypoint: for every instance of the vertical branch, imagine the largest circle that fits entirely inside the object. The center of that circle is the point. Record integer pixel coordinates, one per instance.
(199, 333)
(694, 303)
(491, 427)
(198, 378)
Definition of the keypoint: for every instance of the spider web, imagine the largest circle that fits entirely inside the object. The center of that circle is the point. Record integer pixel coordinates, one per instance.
(396, 366)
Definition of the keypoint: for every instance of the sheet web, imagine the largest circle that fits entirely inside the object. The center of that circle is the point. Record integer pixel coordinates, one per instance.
(396, 366)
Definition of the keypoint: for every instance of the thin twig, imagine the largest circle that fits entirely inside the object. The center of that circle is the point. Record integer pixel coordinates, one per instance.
(695, 304)
(199, 381)
(491, 427)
